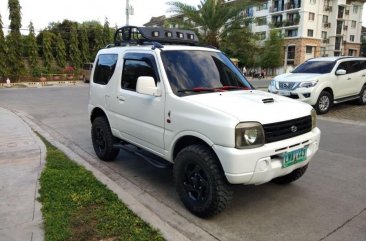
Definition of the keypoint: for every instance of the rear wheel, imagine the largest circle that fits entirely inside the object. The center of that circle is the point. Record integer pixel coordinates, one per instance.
(103, 139)
(324, 102)
(291, 177)
(362, 99)
(200, 181)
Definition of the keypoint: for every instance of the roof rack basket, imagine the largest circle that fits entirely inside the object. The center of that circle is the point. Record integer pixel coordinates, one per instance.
(148, 35)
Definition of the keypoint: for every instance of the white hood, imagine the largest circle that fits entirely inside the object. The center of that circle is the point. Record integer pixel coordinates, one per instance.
(248, 105)
(300, 77)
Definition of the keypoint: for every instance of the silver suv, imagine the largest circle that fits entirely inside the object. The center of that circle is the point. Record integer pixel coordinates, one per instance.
(322, 82)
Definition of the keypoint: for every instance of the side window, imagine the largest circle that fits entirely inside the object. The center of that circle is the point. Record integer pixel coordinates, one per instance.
(354, 66)
(133, 69)
(104, 69)
(363, 64)
(343, 65)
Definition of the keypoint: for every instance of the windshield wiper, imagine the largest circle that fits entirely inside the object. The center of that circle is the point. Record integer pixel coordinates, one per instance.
(230, 87)
(199, 89)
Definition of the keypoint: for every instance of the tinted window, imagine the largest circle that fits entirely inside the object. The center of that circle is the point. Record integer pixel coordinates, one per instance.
(315, 67)
(133, 69)
(350, 66)
(104, 68)
(190, 70)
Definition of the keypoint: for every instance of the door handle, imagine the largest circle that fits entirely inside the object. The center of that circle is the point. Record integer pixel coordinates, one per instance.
(348, 78)
(363, 75)
(121, 98)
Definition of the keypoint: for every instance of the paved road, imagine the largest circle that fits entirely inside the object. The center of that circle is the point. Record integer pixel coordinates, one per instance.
(328, 203)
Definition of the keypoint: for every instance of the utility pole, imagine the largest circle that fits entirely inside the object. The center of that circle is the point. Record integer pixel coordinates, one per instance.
(127, 12)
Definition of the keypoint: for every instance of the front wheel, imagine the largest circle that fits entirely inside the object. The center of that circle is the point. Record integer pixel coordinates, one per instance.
(200, 181)
(324, 103)
(291, 177)
(362, 99)
(103, 139)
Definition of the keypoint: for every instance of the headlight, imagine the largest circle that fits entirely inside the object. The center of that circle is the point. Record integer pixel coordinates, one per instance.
(249, 135)
(308, 84)
(313, 119)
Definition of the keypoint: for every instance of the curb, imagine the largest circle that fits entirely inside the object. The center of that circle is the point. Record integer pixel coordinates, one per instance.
(172, 225)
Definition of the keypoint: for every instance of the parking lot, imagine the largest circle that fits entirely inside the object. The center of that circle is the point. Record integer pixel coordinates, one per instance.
(328, 203)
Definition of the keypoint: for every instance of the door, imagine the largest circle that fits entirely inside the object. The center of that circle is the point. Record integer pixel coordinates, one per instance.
(140, 117)
(344, 85)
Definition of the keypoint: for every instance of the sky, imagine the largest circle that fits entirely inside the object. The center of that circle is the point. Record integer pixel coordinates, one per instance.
(42, 12)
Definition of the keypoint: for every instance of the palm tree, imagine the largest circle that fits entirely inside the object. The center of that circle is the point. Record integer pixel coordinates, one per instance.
(211, 16)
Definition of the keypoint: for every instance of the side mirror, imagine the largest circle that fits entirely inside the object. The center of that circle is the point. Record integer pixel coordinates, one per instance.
(146, 85)
(341, 72)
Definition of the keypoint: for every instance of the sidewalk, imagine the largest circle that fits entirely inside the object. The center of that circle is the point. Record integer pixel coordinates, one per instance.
(21, 160)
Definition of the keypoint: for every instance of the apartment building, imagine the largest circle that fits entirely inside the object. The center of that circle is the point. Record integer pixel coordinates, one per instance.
(311, 28)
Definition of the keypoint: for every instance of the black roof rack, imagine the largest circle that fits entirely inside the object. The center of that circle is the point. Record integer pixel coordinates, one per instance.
(154, 36)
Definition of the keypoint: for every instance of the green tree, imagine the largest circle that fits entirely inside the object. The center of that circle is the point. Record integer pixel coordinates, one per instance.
(14, 40)
(239, 42)
(84, 45)
(272, 57)
(47, 50)
(60, 51)
(3, 52)
(74, 51)
(107, 37)
(32, 47)
(211, 16)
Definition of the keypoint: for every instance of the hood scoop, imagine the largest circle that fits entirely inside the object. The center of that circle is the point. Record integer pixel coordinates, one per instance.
(268, 100)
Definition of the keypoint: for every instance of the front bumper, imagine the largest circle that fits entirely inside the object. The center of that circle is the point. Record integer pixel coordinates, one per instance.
(261, 165)
(307, 95)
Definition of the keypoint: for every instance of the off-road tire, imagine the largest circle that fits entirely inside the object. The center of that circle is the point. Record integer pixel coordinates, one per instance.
(200, 181)
(291, 177)
(362, 99)
(103, 139)
(324, 102)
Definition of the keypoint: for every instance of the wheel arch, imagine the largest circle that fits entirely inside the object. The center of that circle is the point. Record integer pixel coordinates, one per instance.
(96, 112)
(191, 139)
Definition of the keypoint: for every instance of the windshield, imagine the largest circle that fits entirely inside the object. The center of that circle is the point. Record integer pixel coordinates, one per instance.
(193, 72)
(315, 67)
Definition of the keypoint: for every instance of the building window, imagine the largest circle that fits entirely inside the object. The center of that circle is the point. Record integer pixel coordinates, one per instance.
(291, 33)
(353, 24)
(263, 6)
(261, 35)
(309, 49)
(310, 33)
(324, 34)
(325, 18)
(352, 38)
(261, 21)
(311, 16)
(322, 51)
(355, 9)
(290, 55)
(313, 1)
(352, 52)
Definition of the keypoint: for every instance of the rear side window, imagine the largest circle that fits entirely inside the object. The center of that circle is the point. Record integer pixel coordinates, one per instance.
(104, 69)
(134, 68)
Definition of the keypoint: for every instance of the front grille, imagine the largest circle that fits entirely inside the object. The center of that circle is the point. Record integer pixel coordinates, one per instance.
(286, 85)
(287, 129)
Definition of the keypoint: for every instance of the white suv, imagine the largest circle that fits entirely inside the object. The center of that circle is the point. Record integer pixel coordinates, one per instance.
(325, 81)
(190, 106)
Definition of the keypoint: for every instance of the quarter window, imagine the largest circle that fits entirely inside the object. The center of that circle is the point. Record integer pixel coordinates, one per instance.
(104, 69)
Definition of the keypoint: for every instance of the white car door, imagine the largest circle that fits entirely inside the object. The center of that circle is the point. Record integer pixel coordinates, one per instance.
(140, 117)
(344, 84)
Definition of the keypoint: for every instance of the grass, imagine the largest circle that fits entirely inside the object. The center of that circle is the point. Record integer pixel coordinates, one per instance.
(76, 206)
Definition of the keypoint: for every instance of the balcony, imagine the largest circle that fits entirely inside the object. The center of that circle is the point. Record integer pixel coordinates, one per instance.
(292, 5)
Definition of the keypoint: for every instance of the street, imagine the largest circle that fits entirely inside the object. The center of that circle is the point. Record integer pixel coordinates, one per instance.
(328, 203)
